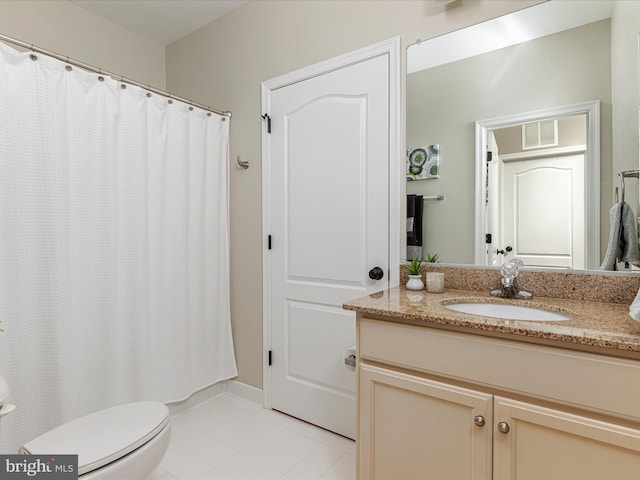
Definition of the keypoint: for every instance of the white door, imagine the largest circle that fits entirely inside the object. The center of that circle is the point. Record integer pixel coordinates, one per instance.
(329, 195)
(493, 203)
(543, 214)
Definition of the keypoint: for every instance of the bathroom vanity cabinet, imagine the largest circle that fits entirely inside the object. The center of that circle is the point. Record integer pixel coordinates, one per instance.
(445, 404)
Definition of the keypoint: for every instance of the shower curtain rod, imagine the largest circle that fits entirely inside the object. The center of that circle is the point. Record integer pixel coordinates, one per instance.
(91, 68)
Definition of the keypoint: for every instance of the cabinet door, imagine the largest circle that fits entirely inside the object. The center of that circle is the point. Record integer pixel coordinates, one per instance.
(532, 442)
(414, 428)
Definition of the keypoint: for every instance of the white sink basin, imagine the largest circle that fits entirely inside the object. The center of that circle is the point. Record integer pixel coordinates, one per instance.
(509, 312)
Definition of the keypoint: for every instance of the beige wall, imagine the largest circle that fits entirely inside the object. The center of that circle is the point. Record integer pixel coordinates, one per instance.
(443, 104)
(223, 65)
(625, 95)
(66, 29)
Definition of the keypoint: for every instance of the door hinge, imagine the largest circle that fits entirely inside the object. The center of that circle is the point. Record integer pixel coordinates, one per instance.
(487, 238)
(268, 119)
(489, 156)
(269, 242)
(269, 358)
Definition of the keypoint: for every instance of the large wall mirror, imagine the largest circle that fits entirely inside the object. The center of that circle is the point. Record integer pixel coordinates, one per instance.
(533, 115)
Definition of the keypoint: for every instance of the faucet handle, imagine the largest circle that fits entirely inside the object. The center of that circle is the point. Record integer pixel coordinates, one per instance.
(509, 270)
(508, 287)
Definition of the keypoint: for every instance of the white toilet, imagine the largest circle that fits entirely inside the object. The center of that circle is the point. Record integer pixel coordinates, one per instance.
(125, 442)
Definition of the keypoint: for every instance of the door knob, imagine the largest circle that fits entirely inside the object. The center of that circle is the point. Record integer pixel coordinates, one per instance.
(376, 273)
(501, 252)
(503, 427)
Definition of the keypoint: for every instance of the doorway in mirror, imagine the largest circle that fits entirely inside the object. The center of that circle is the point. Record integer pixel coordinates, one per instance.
(533, 170)
(537, 208)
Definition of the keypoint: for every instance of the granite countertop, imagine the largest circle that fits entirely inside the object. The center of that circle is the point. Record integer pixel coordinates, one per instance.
(598, 327)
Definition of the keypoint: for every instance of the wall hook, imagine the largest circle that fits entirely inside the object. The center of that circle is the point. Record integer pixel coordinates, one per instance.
(244, 164)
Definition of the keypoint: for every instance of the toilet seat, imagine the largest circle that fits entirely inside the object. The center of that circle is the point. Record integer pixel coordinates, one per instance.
(104, 436)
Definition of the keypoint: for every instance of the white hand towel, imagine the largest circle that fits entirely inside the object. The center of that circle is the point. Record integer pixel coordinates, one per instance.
(634, 309)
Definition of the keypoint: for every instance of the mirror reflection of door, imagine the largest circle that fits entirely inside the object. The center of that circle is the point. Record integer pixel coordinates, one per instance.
(536, 193)
(493, 203)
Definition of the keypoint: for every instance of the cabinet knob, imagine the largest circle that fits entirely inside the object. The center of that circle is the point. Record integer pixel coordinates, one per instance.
(479, 420)
(503, 427)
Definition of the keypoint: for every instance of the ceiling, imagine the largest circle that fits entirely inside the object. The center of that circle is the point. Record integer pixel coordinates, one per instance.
(163, 21)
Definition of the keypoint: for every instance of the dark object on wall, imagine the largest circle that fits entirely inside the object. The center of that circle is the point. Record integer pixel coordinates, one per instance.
(415, 207)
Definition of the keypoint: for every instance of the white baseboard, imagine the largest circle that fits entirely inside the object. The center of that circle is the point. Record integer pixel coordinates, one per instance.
(227, 387)
(242, 390)
(197, 398)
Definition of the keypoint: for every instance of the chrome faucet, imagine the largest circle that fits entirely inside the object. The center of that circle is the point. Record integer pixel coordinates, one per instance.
(508, 284)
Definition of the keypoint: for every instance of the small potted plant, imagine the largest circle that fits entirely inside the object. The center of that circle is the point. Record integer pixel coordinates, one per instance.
(414, 270)
(432, 258)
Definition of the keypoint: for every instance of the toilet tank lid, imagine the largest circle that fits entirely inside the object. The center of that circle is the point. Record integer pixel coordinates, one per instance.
(103, 436)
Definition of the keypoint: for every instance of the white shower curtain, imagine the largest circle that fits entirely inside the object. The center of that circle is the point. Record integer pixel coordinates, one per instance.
(114, 270)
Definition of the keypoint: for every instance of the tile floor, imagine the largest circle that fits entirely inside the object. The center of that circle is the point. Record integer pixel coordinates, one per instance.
(229, 438)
